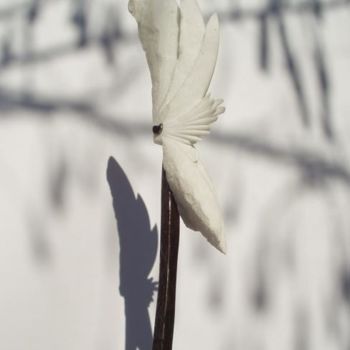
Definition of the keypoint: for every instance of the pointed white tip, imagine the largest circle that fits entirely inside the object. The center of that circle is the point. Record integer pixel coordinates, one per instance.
(214, 20)
(222, 247)
(219, 244)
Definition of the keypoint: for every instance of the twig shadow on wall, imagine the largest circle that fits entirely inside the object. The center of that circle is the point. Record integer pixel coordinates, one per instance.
(138, 250)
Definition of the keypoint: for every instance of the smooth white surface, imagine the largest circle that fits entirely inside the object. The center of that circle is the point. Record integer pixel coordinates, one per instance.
(182, 51)
(284, 189)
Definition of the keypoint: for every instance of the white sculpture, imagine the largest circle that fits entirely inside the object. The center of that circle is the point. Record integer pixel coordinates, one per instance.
(181, 52)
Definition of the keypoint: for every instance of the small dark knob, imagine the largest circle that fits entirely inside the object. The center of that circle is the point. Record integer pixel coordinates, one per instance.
(157, 129)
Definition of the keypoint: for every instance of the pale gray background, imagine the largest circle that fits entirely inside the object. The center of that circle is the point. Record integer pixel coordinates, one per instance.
(75, 90)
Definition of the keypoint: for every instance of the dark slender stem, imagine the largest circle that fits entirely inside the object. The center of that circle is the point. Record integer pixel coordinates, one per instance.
(169, 246)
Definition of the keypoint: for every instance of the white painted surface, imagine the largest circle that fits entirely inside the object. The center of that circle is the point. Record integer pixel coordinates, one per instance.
(284, 188)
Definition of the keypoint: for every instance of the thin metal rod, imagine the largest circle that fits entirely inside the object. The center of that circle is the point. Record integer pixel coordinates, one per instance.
(169, 247)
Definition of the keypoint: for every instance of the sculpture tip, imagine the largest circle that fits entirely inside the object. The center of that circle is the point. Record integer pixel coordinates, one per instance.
(222, 247)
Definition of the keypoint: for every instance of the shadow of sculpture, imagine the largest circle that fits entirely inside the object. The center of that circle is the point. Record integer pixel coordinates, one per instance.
(138, 249)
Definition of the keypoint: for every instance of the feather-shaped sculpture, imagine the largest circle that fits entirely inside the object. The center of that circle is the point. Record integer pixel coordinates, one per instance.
(181, 52)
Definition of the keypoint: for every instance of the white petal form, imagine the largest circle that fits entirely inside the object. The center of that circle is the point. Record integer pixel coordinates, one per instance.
(159, 34)
(190, 126)
(198, 80)
(192, 30)
(181, 52)
(193, 192)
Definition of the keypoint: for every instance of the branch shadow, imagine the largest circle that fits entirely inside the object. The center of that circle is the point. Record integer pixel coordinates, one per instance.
(292, 65)
(138, 249)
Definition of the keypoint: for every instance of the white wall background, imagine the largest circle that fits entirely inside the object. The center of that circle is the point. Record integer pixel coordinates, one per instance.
(75, 90)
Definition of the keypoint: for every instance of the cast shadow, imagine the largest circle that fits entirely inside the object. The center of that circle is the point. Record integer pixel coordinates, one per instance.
(138, 249)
